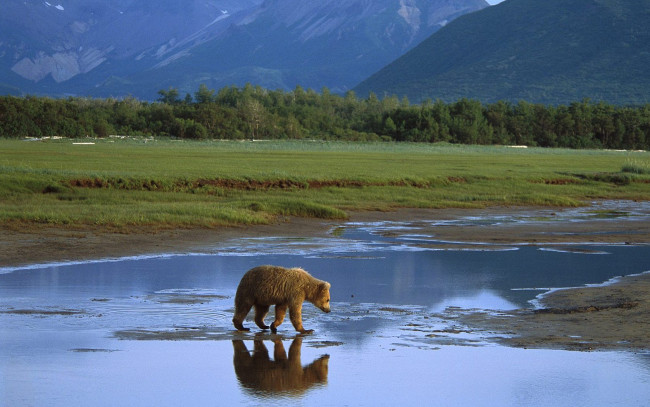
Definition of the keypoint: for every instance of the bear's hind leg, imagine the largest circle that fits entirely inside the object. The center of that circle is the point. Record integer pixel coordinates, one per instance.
(260, 314)
(280, 312)
(240, 314)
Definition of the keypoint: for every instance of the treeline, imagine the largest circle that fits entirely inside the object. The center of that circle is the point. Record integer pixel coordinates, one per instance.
(256, 113)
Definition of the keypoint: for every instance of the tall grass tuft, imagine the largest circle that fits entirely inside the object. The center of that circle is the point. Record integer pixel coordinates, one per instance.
(636, 167)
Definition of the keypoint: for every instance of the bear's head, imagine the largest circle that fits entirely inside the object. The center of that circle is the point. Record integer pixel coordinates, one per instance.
(322, 300)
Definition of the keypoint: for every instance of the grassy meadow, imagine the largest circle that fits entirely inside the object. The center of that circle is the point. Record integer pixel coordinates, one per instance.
(165, 183)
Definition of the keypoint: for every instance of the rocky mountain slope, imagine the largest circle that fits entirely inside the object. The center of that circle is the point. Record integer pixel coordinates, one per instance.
(46, 47)
(137, 47)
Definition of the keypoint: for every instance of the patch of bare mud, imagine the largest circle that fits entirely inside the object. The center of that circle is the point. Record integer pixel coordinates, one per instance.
(43, 312)
(609, 317)
(426, 330)
(175, 334)
(403, 326)
(215, 333)
(396, 310)
(465, 247)
(574, 250)
(184, 299)
(324, 344)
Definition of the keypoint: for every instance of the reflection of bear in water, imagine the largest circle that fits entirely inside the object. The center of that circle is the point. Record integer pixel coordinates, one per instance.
(280, 376)
(285, 288)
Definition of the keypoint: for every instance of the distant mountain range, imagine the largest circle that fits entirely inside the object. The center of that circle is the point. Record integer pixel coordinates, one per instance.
(550, 51)
(76, 46)
(137, 47)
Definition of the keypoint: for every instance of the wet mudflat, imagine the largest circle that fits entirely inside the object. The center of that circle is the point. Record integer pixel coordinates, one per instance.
(408, 324)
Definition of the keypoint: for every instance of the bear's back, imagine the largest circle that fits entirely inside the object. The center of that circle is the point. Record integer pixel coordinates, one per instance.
(273, 282)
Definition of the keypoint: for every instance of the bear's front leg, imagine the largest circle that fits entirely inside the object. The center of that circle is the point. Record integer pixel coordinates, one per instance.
(241, 310)
(295, 314)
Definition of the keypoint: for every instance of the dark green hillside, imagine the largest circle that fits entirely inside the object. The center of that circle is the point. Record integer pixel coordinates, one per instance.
(551, 51)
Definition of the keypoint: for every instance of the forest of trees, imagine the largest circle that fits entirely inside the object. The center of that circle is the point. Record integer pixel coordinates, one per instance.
(256, 113)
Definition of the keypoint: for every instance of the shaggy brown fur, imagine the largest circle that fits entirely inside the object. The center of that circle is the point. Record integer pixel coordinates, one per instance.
(285, 288)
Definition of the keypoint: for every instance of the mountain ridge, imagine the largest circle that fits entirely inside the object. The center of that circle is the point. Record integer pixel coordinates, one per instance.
(543, 52)
(60, 42)
(85, 47)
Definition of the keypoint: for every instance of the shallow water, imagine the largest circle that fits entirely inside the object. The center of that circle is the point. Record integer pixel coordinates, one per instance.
(157, 330)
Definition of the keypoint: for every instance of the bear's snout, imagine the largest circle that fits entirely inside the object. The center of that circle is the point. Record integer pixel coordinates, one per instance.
(325, 309)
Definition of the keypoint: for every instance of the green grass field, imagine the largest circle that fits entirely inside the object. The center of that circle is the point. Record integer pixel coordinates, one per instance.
(166, 183)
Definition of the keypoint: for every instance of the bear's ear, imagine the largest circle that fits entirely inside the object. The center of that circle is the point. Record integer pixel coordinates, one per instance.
(324, 286)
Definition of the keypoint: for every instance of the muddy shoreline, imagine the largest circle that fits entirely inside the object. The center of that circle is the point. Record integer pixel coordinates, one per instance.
(613, 316)
(47, 244)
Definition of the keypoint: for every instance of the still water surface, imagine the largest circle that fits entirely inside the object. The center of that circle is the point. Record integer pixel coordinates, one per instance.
(157, 330)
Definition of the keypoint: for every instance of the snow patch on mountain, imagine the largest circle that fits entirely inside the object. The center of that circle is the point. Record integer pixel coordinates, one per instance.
(58, 6)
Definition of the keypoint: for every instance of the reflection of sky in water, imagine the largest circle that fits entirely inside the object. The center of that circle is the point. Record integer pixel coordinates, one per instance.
(386, 291)
(420, 277)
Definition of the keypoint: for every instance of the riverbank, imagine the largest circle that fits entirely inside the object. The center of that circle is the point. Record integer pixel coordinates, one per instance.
(38, 244)
(614, 316)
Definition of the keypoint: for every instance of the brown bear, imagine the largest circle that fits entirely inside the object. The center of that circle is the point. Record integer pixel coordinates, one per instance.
(285, 288)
